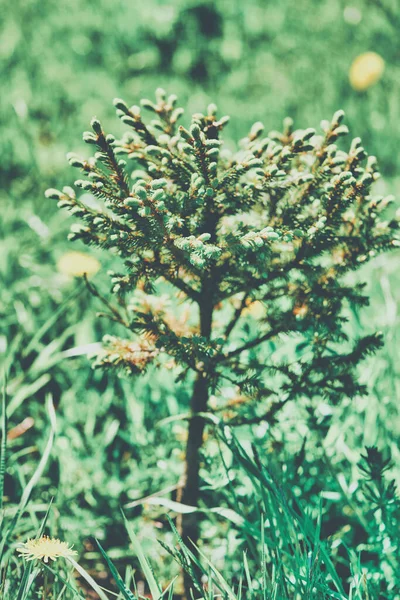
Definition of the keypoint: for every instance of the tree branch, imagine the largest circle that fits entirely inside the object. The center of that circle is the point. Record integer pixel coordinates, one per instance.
(236, 316)
(251, 344)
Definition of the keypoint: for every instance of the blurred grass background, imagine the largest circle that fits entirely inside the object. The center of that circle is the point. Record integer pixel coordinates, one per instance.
(61, 64)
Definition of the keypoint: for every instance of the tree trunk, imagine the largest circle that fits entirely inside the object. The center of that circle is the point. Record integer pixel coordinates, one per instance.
(189, 524)
(191, 487)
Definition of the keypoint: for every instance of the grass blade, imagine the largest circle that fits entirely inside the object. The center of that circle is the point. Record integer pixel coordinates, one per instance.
(155, 589)
(127, 594)
(3, 448)
(35, 477)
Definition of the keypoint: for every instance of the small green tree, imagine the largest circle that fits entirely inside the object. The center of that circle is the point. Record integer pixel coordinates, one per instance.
(281, 222)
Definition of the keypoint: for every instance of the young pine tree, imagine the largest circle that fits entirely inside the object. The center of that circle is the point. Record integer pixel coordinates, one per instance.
(272, 229)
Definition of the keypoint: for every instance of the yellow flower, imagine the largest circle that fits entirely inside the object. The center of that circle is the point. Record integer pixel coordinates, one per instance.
(45, 548)
(254, 308)
(366, 70)
(77, 264)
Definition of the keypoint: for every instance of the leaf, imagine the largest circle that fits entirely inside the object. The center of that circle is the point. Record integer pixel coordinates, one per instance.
(155, 589)
(26, 391)
(127, 594)
(3, 448)
(185, 509)
(88, 578)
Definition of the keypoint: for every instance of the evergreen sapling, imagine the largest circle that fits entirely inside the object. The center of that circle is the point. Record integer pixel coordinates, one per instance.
(278, 224)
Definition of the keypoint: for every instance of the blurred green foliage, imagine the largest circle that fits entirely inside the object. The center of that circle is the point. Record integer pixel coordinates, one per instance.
(62, 63)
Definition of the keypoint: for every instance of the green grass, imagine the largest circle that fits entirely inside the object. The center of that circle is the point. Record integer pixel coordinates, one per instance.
(118, 441)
